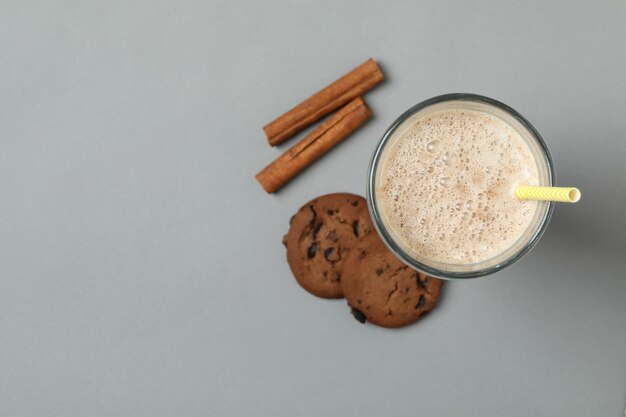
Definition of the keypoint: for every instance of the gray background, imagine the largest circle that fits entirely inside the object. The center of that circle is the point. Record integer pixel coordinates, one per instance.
(141, 270)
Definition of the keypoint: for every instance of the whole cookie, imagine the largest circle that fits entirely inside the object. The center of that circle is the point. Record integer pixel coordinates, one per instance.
(381, 289)
(321, 234)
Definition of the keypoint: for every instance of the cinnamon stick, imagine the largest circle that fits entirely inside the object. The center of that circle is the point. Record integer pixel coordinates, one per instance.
(346, 88)
(339, 126)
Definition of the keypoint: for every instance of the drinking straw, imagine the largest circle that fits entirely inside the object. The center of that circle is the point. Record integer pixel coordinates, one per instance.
(560, 194)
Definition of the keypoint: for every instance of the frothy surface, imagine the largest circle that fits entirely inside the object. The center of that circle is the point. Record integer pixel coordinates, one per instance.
(447, 186)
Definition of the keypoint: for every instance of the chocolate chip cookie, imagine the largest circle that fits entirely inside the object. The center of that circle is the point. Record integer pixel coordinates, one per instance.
(383, 290)
(321, 234)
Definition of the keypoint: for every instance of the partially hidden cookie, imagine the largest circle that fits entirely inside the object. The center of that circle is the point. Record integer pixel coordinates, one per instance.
(383, 290)
(322, 233)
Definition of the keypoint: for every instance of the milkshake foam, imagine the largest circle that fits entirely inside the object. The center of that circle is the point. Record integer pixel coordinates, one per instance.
(446, 188)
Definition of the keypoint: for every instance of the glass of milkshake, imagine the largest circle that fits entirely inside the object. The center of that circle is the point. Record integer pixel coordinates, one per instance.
(441, 186)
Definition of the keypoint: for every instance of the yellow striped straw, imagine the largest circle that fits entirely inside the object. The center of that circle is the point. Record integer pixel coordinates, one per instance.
(560, 194)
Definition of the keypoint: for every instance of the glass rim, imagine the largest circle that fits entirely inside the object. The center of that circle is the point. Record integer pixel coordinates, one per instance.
(386, 236)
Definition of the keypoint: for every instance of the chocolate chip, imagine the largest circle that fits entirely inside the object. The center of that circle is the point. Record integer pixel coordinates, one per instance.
(312, 250)
(355, 203)
(316, 229)
(332, 255)
(421, 282)
(358, 314)
(379, 271)
(331, 212)
(355, 228)
(421, 302)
